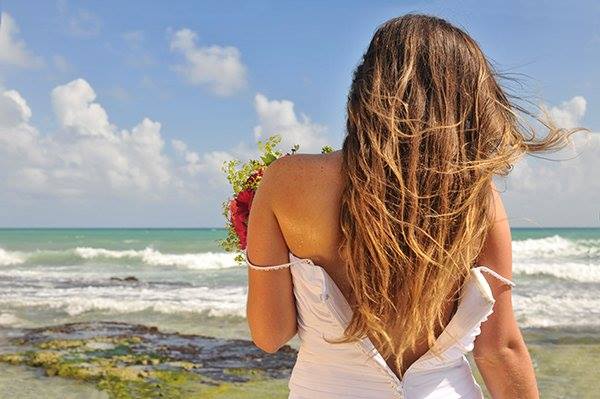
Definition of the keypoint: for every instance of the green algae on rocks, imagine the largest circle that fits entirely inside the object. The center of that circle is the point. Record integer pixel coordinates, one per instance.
(135, 361)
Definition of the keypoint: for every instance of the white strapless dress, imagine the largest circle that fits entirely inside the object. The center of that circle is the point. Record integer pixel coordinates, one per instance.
(357, 370)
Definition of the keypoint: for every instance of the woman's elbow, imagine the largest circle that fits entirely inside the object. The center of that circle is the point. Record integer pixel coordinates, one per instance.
(268, 346)
(513, 351)
(271, 343)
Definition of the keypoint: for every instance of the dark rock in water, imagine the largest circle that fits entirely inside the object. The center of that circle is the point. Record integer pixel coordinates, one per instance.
(130, 360)
(128, 279)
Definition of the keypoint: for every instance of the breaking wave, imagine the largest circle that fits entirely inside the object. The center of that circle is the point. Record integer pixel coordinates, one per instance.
(149, 256)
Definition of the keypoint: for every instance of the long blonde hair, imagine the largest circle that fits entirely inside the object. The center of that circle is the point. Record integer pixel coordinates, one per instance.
(428, 125)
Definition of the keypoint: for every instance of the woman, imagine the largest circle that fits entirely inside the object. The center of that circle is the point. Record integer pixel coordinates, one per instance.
(374, 254)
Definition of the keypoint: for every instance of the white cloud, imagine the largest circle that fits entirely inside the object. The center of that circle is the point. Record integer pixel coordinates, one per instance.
(566, 189)
(13, 51)
(191, 158)
(19, 141)
(89, 158)
(569, 113)
(13, 109)
(219, 68)
(279, 117)
(208, 164)
(76, 110)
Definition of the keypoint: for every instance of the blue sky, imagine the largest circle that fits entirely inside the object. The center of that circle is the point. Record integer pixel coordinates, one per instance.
(208, 75)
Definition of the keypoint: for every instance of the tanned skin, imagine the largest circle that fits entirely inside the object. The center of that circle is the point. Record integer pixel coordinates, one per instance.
(296, 209)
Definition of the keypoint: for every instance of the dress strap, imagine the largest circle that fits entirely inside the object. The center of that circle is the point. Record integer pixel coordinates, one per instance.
(269, 268)
(498, 276)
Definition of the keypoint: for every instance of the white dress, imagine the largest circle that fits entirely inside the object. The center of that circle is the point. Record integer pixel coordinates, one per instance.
(326, 370)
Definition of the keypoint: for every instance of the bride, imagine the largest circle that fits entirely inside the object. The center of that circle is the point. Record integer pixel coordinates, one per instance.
(391, 258)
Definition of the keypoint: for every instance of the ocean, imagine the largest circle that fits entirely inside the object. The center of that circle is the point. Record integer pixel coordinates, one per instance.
(180, 280)
(185, 282)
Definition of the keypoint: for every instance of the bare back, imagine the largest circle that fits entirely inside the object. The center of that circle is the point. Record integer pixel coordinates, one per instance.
(307, 210)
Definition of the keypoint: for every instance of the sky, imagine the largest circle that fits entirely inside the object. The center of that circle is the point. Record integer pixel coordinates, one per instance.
(120, 114)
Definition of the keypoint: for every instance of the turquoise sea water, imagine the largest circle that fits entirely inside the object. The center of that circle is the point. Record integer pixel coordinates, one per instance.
(60, 275)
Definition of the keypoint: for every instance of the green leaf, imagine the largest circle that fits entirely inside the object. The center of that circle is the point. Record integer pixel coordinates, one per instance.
(268, 158)
(326, 149)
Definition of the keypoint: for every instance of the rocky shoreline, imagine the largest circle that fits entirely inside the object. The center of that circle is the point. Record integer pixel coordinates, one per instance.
(99, 360)
(137, 361)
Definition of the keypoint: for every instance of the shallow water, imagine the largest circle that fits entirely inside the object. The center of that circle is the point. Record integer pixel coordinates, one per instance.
(566, 366)
(29, 383)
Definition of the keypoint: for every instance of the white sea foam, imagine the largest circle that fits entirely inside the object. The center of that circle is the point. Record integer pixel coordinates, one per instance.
(582, 272)
(555, 248)
(150, 256)
(122, 300)
(53, 275)
(8, 258)
(564, 309)
(558, 307)
(9, 319)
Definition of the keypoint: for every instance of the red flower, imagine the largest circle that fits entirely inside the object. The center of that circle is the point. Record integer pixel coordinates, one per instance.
(239, 211)
(254, 178)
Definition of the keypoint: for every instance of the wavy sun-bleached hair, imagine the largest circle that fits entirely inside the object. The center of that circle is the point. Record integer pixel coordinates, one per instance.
(428, 125)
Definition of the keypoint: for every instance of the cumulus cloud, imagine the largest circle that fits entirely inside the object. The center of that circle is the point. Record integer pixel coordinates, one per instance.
(17, 137)
(193, 164)
(569, 113)
(279, 117)
(76, 110)
(91, 162)
(207, 165)
(13, 51)
(13, 109)
(218, 68)
(89, 157)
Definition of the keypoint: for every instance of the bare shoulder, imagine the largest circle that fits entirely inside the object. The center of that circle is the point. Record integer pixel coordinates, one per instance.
(302, 171)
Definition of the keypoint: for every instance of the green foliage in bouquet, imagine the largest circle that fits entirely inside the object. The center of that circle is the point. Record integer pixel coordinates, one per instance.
(239, 173)
(245, 178)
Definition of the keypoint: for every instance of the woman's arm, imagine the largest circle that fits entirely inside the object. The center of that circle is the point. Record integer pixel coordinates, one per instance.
(271, 307)
(500, 352)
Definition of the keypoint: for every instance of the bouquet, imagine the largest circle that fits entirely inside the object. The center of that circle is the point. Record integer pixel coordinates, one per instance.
(245, 179)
